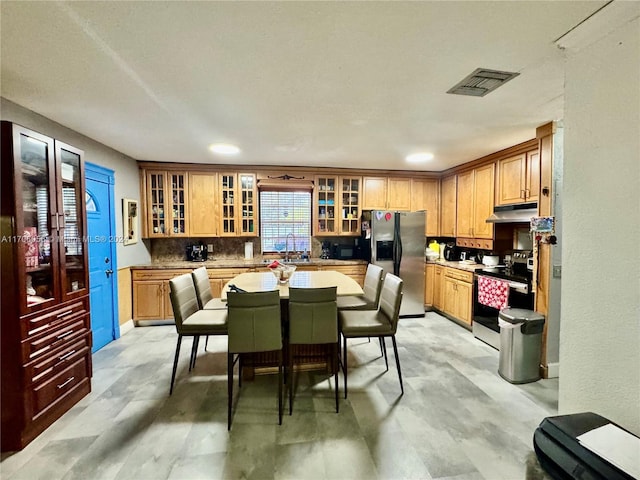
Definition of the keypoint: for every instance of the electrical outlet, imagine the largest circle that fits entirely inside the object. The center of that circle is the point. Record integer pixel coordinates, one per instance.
(210, 248)
(557, 271)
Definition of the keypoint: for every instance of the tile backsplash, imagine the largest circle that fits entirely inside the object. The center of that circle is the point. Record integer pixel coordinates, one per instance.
(174, 249)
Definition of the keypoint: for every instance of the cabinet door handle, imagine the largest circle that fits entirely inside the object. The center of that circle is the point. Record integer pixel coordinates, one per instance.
(527, 193)
(66, 355)
(64, 314)
(67, 382)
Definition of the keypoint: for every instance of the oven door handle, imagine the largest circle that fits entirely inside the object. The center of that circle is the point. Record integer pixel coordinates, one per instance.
(519, 287)
(516, 286)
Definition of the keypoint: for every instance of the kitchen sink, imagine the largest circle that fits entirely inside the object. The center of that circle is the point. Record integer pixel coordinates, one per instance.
(292, 261)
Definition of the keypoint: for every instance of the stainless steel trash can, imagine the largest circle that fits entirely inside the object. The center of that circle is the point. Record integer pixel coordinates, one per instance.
(520, 344)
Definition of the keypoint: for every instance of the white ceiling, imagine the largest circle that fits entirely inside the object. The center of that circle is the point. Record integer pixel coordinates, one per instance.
(336, 84)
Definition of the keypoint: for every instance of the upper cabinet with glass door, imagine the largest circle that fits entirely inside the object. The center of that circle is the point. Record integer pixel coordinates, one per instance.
(238, 205)
(350, 196)
(46, 237)
(326, 206)
(166, 204)
(248, 205)
(337, 205)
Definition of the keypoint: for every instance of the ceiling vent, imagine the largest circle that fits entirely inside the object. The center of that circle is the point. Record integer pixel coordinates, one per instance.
(481, 82)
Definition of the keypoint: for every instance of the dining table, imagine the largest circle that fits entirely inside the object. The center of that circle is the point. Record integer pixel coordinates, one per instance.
(308, 357)
(265, 281)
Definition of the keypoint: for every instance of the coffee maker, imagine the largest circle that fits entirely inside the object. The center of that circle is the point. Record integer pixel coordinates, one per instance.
(197, 252)
(326, 250)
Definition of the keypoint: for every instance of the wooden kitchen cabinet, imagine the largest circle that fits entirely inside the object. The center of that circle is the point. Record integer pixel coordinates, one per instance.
(475, 198)
(438, 276)
(151, 293)
(203, 211)
(45, 329)
(218, 277)
(386, 193)
(425, 195)
(448, 208)
(166, 204)
(337, 205)
(238, 201)
(429, 278)
(357, 272)
(518, 179)
(457, 290)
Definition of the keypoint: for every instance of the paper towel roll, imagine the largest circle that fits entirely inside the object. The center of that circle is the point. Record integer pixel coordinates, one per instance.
(248, 250)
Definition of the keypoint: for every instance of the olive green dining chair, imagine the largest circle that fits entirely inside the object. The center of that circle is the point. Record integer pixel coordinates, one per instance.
(380, 323)
(371, 292)
(254, 326)
(206, 301)
(313, 320)
(190, 320)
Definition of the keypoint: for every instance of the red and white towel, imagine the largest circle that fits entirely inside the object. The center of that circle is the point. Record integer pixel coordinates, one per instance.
(493, 292)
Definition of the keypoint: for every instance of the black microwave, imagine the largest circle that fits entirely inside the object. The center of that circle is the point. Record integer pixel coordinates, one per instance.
(344, 252)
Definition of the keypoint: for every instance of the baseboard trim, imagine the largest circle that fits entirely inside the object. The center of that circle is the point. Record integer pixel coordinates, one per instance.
(553, 370)
(126, 327)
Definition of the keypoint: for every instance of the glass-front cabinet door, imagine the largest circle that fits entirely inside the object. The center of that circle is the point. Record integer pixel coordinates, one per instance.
(71, 221)
(227, 205)
(36, 219)
(350, 205)
(167, 195)
(156, 204)
(326, 206)
(178, 184)
(248, 197)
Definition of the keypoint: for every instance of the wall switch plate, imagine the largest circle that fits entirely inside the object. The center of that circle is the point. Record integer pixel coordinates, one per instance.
(210, 248)
(557, 271)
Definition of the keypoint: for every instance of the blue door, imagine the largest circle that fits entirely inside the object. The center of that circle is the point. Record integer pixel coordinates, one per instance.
(102, 265)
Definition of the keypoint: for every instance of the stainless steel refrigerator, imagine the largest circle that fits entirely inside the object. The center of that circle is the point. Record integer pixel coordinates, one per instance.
(398, 245)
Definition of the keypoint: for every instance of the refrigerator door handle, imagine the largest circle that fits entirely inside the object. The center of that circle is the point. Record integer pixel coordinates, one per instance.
(397, 246)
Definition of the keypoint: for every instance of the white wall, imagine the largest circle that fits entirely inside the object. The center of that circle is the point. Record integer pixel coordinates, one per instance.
(600, 330)
(127, 183)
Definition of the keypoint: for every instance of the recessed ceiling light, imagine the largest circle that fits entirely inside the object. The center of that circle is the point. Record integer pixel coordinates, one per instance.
(419, 157)
(224, 148)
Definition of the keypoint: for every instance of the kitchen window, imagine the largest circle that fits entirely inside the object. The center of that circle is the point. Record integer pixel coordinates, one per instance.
(285, 212)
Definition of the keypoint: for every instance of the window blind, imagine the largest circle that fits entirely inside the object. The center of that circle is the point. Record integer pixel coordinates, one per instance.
(283, 213)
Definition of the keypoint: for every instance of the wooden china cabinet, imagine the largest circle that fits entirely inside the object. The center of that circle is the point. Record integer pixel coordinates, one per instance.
(45, 325)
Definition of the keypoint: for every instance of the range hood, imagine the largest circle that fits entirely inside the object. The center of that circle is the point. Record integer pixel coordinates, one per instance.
(520, 213)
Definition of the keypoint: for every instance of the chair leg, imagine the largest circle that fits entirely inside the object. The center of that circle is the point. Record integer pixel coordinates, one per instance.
(229, 388)
(381, 347)
(175, 363)
(289, 380)
(206, 343)
(194, 352)
(240, 365)
(344, 363)
(280, 387)
(384, 351)
(336, 368)
(395, 352)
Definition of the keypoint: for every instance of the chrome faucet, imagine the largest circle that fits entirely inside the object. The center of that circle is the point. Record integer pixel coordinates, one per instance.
(286, 246)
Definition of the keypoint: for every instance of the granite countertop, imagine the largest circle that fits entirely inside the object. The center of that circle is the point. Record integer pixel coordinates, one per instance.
(468, 267)
(256, 262)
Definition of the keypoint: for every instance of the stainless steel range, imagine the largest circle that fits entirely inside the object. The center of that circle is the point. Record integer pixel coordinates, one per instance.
(518, 277)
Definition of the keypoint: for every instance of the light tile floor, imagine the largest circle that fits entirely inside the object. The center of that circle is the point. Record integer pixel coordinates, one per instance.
(457, 419)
